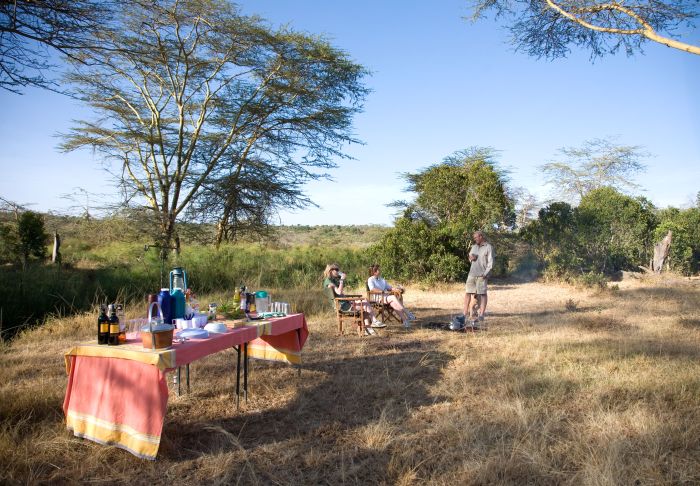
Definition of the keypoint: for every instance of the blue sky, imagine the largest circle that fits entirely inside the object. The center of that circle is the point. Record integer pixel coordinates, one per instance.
(440, 84)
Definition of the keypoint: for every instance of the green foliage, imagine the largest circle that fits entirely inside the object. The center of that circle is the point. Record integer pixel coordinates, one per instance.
(411, 249)
(464, 193)
(591, 280)
(615, 230)
(225, 124)
(261, 267)
(550, 29)
(34, 32)
(606, 233)
(32, 236)
(684, 255)
(24, 239)
(9, 243)
(553, 239)
(122, 271)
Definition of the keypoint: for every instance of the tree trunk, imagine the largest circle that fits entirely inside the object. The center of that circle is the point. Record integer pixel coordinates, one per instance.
(661, 250)
(56, 255)
(220, 232)
(222, 226)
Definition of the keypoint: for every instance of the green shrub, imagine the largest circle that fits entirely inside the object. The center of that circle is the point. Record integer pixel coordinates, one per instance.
(684, 255)
(591, 280)
(606, 233)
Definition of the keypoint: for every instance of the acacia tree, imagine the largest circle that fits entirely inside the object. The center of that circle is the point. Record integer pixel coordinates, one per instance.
(547, 28)
(31, 31)
(191, 92)
(22, 236)
(241, 201)
(463, 193)
(598, 163)
(465, 190)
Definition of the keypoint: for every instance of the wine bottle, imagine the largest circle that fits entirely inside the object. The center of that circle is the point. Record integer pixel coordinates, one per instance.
(113, 326)
(102, 327)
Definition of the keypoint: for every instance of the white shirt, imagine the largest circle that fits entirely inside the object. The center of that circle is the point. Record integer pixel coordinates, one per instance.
(378, 283)
(484, 260)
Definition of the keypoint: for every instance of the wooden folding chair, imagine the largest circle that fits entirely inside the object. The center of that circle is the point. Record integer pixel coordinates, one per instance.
(385, 312)
(356, 316)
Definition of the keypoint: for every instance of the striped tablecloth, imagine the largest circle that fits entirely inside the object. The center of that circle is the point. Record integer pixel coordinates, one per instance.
(280, 339)
(118, 395)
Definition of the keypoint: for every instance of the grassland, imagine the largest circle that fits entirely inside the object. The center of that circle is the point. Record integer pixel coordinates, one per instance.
(566, 387)
(116, 268)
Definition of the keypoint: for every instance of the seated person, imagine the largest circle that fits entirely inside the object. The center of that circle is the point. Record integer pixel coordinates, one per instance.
(376, 284)
(334, 279)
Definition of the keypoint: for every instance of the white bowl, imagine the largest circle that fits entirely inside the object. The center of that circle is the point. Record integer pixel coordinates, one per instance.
(216, 327)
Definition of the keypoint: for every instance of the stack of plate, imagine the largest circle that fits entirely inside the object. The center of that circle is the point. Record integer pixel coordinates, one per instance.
(216, 327)
(193, 334)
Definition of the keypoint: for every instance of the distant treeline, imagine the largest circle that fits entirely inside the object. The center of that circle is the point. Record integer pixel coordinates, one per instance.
(104, 260)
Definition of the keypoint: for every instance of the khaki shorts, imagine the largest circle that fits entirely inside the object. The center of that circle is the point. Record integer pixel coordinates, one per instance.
(476, 285)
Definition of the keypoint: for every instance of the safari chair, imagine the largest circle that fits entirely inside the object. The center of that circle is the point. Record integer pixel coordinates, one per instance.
(384, 310)
(356, 317)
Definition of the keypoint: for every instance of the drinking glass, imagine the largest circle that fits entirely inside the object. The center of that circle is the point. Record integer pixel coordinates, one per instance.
(133, 328)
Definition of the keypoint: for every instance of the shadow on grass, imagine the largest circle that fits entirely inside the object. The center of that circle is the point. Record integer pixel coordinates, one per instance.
(434, 316)
(628, 348)
(689, 323)
(353, 398)
(677, 295)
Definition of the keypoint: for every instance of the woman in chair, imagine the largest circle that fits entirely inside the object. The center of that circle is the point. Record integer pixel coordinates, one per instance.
(335, 280)
(376, 284)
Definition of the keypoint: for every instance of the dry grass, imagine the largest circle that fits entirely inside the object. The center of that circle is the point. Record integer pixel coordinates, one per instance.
(607, 392)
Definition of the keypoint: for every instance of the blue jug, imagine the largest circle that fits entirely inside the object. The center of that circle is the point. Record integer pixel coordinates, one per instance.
(166, 305)
(178, 286)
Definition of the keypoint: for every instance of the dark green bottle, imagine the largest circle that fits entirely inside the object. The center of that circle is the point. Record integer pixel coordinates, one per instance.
(113, 326)
(102, 327)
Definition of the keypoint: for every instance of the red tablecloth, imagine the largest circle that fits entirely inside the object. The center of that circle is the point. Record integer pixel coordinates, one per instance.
(280, 339)
(118, 394)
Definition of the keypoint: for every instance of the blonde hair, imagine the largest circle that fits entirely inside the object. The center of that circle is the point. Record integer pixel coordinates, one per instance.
(329, 267)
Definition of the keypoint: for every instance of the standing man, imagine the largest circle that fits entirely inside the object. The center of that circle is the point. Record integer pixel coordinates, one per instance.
(481, 257)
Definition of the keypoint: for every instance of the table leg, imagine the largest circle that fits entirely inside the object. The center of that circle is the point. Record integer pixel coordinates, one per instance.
(245, 372)
(179, 369)
(299, 365)
(188, 377)
(238, 375)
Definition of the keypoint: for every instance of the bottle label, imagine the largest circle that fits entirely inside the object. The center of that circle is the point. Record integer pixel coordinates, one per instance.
(104, 327)
(114, 328)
